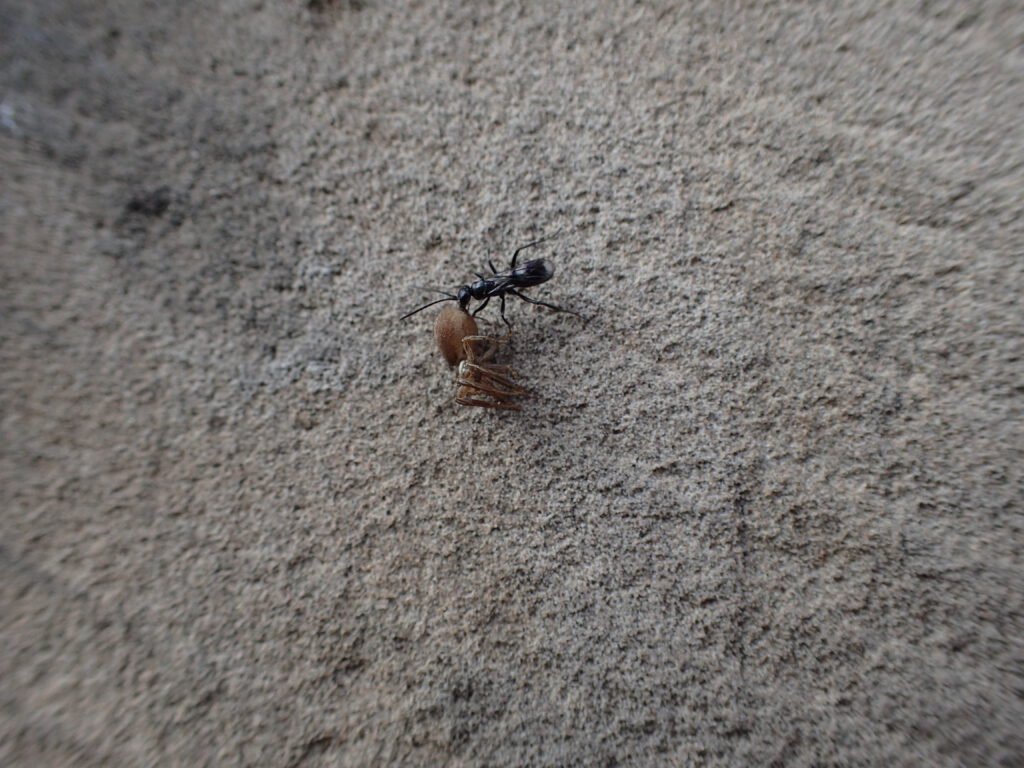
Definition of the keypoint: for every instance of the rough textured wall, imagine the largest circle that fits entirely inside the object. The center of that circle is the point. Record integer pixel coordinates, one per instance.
(765, 507)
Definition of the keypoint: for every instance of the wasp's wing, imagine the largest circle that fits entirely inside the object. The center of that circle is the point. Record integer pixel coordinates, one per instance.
(501, 285)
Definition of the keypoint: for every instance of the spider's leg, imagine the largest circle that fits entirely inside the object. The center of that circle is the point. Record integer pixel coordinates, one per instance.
(479, 349)
(490, 381)
(502, 405)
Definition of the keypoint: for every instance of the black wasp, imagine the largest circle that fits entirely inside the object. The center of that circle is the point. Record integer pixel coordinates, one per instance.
(501, 284)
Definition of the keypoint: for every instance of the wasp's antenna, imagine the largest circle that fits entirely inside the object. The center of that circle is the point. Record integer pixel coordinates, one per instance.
(448, 298)
(433, 289)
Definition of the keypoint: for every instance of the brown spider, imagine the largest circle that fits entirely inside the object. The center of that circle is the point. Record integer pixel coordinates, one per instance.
(480, 381)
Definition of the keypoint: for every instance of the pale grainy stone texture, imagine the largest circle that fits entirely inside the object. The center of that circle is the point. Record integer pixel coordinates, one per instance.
(764, 509)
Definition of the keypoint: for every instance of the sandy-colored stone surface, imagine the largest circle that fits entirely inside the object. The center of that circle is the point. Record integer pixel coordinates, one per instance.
(765, 507)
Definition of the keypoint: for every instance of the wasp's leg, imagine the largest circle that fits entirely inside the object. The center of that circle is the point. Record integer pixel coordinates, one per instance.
(505, 319)
(515, 256)
(543, 303)
(481, 306)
